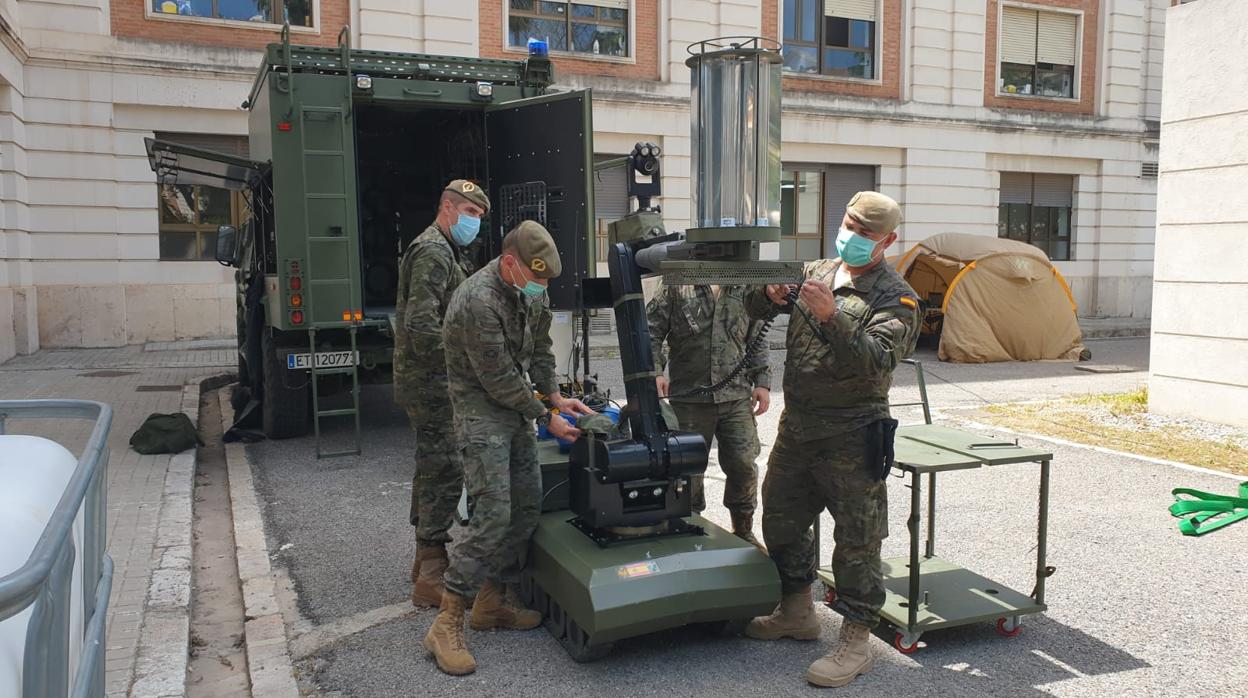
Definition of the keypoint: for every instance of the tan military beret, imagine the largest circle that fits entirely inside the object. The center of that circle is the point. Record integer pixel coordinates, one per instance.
(471, 191)
(879, 213)
(536, 249)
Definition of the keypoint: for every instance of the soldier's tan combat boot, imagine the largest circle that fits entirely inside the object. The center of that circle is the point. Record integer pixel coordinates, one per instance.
(493, 609)
(427, 572)
(743, 528)
(445, 640)
(794, 617)
(850, 657)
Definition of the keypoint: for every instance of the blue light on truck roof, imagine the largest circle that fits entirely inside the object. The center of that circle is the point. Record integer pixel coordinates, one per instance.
(538, 48)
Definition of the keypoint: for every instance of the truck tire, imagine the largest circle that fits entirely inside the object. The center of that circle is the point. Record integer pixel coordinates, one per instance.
(284, 408)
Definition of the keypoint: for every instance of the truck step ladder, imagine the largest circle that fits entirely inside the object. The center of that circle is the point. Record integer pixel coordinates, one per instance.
(353, 411)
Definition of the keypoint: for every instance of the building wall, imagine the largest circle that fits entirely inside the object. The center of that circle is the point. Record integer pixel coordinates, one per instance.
(83, 81)
(1200, 327)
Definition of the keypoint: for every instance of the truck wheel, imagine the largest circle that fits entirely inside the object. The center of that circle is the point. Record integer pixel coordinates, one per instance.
(284, 408)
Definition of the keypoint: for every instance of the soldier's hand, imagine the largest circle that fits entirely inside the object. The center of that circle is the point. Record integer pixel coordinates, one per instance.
(570, 405)
(819, 299)
(663, 385)
(760, 400)
(777, 293)
(563, 429)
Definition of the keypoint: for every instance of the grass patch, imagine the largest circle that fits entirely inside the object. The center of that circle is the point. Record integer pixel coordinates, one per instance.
(1121, 421)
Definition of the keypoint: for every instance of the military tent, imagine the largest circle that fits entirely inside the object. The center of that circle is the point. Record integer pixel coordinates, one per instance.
(993, 299)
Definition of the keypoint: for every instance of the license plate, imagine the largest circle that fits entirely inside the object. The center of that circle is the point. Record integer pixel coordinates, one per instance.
(324, 359)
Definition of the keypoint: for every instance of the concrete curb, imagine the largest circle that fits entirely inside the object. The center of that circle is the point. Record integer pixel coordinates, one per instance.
(164, 642)
(268, 652)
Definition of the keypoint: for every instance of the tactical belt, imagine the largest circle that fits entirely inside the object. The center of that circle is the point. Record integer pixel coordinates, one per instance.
(1203, 512)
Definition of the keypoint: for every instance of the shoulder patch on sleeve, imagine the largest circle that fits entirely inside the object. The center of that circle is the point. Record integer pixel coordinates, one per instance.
(910, 302)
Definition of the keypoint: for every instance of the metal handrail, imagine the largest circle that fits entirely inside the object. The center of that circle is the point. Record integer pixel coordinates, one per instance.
(44, 581)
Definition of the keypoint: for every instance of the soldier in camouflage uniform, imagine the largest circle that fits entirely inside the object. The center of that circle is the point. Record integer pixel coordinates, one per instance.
(430, 271)
(855, 319)
(708, 332)
(497, 338)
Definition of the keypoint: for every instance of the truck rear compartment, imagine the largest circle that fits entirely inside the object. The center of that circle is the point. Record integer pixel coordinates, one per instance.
(405, 156)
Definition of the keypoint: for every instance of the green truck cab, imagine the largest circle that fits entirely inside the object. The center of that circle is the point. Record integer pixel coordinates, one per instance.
(349, 152)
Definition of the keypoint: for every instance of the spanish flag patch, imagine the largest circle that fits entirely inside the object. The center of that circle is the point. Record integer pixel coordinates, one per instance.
(908, 301)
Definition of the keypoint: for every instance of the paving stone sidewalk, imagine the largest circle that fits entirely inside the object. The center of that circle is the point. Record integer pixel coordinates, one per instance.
(143, 541)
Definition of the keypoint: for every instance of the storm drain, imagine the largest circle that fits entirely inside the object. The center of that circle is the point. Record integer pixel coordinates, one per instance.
(157, 388)
(107, 374)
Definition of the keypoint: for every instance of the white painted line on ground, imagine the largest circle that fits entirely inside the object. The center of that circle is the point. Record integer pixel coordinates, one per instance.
(1099, 449)
(321, 636)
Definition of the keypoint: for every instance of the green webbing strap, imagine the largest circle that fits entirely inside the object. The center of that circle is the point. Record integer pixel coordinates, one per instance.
(1208, 511)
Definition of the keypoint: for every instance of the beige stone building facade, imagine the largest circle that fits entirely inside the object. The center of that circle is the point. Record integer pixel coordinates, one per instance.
(1200, 327)
(1034, 119)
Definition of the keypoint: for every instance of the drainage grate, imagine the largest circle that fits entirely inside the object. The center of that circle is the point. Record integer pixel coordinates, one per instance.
(158, 389)
(107, 374)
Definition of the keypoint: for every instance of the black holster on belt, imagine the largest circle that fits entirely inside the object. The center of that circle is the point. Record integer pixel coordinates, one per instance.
(879, 451)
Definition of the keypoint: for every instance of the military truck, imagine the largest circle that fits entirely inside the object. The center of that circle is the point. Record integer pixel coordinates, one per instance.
(349, 152)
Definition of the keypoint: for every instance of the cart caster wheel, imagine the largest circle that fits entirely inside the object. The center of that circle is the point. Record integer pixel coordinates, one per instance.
(1009, 627)
(905, 644)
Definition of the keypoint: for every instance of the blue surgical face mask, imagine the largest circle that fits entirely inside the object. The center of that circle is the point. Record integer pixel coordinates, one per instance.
(854, 249)
(465, 230)
(531, 289)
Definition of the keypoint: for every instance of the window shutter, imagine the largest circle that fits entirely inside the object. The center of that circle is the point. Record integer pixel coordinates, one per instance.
(864, 10)
(1054, 190)
(1056, 35)
(611, 193)
(229, 145)
(1015, 188)
(1018, 35)
(613, 4)
(840, 183)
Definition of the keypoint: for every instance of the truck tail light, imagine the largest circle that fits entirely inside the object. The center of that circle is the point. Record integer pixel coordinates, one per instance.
(359, 316)
(296, 283)
(296, 300)
(346, 316)
(296, 317)
(283, 126)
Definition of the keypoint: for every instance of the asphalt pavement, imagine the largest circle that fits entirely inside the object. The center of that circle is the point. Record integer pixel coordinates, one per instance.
(1135, 608)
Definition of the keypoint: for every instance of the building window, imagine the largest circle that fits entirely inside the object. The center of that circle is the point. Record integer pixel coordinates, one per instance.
(1038, 209)
(801, 214)
(297, 12)
(1038, 52)
(594, 27)
(190, 214)
(831, 37)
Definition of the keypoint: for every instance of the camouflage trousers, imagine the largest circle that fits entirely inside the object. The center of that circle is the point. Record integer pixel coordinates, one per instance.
(505, 483)
(806, 477)
(733, 426)
(439, 477)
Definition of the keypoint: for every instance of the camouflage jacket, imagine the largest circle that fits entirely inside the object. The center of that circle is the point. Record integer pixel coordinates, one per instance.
(497, 346)
(429, 273)
(837, 374)
(706, 337)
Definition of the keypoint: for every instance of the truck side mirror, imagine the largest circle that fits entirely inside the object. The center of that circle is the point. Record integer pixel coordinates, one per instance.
(227, 237)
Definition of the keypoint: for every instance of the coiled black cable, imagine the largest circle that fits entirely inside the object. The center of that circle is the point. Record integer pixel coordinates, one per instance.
(758, 343)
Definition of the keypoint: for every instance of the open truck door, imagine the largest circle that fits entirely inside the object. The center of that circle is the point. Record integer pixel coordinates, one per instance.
(541, 163)
(185, 165)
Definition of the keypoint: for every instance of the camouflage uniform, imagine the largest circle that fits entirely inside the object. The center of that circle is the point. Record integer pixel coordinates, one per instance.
(836, 382)
(494, 337)
(707, 331)
(429, 273)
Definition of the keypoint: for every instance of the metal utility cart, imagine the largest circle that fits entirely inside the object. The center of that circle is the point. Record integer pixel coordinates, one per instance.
(927, 592)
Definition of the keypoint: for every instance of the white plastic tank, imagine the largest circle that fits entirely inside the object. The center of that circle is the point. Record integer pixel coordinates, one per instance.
(34, 473)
